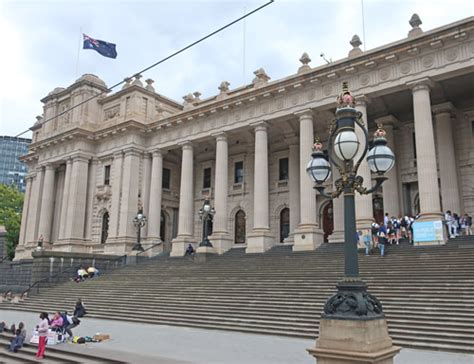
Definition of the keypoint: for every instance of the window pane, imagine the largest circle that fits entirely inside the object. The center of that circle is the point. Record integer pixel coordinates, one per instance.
(207, 178)
(283, 170)
(107, 175)
(239, 172)
(166, 178)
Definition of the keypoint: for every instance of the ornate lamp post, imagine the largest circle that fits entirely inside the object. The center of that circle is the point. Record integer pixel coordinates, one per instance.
(206, 212)
(39, 244)
(139, 221)
(352, 302)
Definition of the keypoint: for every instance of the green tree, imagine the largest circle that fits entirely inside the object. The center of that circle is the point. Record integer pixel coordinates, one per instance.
(11, 204)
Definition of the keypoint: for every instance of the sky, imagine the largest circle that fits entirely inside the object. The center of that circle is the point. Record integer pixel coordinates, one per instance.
(41, 44)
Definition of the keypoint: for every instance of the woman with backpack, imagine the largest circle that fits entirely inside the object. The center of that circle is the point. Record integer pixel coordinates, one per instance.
(382, 239)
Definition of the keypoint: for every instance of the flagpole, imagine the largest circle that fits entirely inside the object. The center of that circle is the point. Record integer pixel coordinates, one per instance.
(78, 52)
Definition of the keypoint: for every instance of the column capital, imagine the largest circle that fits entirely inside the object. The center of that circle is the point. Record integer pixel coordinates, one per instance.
(156, 152)
(260, 125)
(50, 167)
(186, 145)
(388, 121)
(444, 108)
(220, 136)
(362, 100)
(80, 158)
(421, 84)
(118, 154)
(304, 114)
(292, 139)
(132, 151)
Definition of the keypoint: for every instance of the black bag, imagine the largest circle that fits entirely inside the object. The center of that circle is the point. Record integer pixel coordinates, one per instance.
(75, 320)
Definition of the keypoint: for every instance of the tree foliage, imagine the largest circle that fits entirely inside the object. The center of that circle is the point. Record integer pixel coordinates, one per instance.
(11, 204)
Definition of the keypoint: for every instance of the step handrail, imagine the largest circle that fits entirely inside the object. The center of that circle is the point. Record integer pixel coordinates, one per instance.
(68, 271)
(150, 247)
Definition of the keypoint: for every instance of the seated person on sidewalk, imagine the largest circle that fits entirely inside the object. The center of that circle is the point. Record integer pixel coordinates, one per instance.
(79, 310)
(19, 339)
(81, 274)
(189, 251)
(57, 322)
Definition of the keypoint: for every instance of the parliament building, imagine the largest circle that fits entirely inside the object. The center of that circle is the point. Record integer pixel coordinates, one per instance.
(92, 167)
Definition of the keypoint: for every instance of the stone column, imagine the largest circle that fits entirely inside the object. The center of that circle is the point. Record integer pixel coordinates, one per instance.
(154, 214)
(337, 235)
(35, 206)
(260, 239)
(220, 238)
(307, 235)
(425, 150)
(65, 199)
(116, 182)
(47, 204)
(363, 203)
(186, 200)
(129, 203)
(77, 201)
(20, 249)
(448, 171)
(391, 197)
(430, 207)
(91, 186)
(294, 186)
(145, 190)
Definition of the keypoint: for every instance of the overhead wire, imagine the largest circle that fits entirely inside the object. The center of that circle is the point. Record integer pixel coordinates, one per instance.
(156, 63)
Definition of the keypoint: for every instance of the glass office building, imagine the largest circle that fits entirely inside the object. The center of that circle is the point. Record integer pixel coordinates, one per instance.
(12, 170)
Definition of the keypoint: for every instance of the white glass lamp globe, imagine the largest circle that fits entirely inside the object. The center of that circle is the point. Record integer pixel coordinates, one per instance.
(380, 159)
(140, 216)
(346, 145)
(207, 208)
(318, 169)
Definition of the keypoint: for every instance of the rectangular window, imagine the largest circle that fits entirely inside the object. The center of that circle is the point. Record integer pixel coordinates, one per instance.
(107, 175)
(283, 169)
(414, 146)
(166, 178)
(206, 181)
(239, 172)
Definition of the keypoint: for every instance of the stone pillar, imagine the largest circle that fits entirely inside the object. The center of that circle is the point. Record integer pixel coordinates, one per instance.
(129, 203)
(448, 171)
(65, 199)
(116, 181)
(391, 197)
(307, 235)
(154, 214)
(337, 235)
(24, 216)
(34, 208)
(145, 190)
(91, 185)
(430, 207)
(363, 203)
(260, 239)
(294, 186)
(47, 204)
(77, 201)
(186, 200)
(220, 238)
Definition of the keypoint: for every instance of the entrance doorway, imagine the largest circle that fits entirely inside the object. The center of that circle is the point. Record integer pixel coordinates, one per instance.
(377, 205)
(239, 231)
(104, 234)
(284, 224)
(162, 226)
(328, 221)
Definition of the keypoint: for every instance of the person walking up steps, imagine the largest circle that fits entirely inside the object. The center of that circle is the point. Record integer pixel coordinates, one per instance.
(43, 334)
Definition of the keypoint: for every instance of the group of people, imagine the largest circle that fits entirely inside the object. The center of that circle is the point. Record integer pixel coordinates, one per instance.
(19, 335)
(458, 225)
(61, 323)
(391, 231)
(83, 273)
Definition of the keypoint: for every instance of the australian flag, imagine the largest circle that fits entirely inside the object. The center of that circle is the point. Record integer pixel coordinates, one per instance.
(104, 48)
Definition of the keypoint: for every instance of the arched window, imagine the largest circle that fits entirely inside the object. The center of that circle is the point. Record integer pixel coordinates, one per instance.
(284, 224)
(105, 228)
(328, 220)
(377, 205)
(240, 227)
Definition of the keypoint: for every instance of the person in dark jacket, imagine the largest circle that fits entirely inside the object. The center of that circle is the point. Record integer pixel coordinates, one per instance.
(79, 310)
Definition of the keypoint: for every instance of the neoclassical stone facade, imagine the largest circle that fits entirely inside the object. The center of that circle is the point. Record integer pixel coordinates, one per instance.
(247, 149)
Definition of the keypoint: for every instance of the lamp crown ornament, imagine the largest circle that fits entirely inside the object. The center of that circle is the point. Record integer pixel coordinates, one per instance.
(345, 98)
(317, 146)
(380, 132)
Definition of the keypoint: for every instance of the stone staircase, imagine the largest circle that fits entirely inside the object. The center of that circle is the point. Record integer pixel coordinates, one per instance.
(427, 292)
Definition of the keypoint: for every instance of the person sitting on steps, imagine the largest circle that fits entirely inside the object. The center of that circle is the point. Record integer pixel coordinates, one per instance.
(189, 251)
(79, 310)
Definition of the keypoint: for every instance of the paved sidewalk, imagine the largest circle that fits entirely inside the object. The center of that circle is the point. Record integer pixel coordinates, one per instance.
(180, 345)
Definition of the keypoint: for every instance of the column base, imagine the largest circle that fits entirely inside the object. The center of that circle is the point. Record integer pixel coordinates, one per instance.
(154, 246)
(336, 237)
(180, 244)
(307, 237)
(362, 224)
(221, 242)
(354, 342)
(429, 230)
(259, 241)
(70, 246)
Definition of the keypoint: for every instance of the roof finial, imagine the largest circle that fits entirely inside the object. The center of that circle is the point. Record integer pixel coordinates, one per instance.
(355, 43)
(415, 23)
(305, 60)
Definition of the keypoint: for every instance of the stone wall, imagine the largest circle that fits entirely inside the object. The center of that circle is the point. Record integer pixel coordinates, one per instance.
(52, 268)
